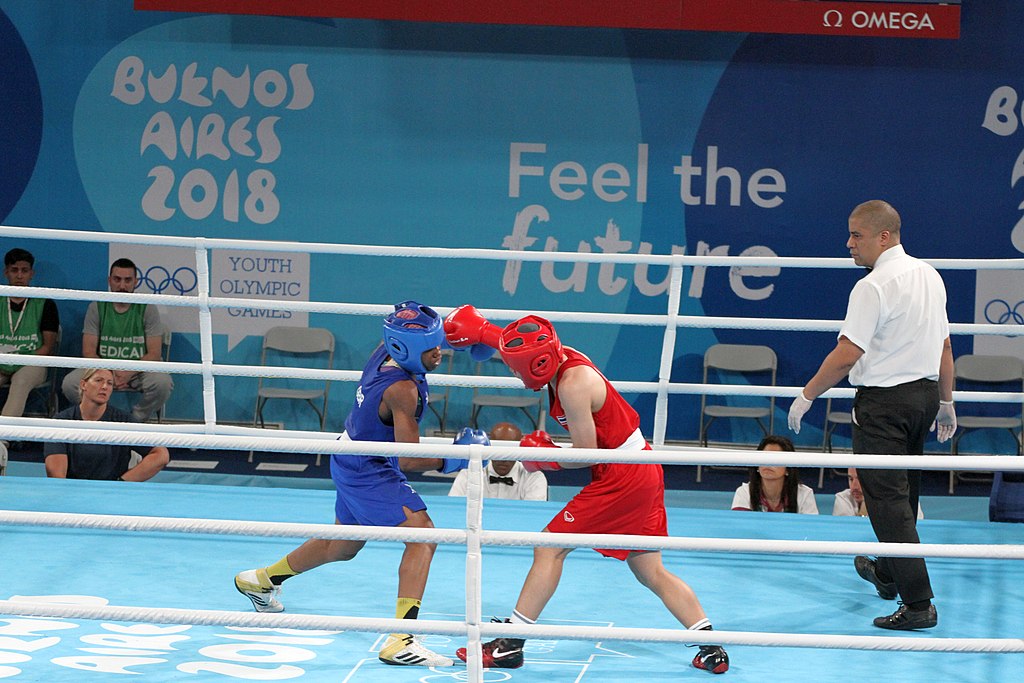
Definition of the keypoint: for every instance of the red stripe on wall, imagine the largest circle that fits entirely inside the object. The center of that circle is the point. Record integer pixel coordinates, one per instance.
(811, 17)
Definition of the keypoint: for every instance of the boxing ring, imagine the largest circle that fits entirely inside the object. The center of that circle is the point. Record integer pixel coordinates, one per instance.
(106, 579)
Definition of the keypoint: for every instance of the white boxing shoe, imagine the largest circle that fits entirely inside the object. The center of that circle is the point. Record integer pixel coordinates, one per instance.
(405, 650)
(255, 584)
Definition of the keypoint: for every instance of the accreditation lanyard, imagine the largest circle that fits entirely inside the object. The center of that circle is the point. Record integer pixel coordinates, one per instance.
(10, 320)
(768, 507)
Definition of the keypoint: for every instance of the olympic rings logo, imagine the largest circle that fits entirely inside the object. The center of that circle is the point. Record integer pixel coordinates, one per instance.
(158, 280)
(998, 312)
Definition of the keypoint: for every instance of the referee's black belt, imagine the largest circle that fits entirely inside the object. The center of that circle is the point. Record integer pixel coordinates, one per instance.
(896, 387)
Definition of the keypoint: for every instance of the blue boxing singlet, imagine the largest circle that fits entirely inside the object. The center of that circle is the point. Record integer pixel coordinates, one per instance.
(372, 490)
(364, 423)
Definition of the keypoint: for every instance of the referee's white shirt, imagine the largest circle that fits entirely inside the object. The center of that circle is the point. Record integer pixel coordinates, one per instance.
(525, 486)
(897, 315)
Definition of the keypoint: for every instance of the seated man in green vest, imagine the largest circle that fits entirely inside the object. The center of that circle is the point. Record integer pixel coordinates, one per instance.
(27, 326)
(123, 331)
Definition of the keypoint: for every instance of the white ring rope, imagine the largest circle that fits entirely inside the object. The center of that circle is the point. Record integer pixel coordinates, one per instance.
(639, 319)
(454, 380)
(231, 527)
(239, 439)
(484, 254)
(370, 625)
(505, 538)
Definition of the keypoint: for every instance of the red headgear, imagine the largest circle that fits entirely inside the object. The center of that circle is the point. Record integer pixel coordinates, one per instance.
(530, 348)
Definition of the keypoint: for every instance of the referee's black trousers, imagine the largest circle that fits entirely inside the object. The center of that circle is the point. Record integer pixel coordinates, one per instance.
(895, 421)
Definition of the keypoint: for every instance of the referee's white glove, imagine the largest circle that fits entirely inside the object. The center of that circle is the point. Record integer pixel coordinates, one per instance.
(796, 411)
(945, 421)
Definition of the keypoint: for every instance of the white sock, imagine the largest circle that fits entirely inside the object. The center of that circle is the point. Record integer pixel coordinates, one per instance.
(704, 623)
(518, 618)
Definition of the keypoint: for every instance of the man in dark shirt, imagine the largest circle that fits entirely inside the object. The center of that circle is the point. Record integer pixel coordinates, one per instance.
(100, 461)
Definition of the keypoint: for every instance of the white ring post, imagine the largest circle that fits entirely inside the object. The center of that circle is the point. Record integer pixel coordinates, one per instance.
(206, 336)
(668, 352)
(474, 562)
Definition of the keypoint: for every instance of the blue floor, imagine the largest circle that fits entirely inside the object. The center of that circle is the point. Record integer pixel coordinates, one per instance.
(744, 592)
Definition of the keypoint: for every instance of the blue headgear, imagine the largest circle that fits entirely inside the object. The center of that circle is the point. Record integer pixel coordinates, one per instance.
(412, 329)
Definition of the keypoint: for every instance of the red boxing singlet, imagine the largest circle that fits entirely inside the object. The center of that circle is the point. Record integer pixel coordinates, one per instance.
(615, 422)
(622, 498)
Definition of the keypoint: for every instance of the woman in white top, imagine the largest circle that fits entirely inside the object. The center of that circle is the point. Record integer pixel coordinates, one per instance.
(775, 489)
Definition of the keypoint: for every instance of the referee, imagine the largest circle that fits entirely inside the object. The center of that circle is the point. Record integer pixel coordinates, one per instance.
(894, 344)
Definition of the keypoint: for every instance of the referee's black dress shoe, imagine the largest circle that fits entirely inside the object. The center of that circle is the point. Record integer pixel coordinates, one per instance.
(906, 619)
(867, 570)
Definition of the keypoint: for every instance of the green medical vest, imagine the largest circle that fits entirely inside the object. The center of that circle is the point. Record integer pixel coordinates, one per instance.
(19, 332)
(122, 335)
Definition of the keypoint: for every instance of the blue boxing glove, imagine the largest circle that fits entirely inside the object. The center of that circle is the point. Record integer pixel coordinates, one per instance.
(453, 465)
(481, 352)
(467, 437)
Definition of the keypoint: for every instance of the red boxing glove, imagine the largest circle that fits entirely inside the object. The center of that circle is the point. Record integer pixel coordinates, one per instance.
(465, 327)
(539, 466)
(539, 439)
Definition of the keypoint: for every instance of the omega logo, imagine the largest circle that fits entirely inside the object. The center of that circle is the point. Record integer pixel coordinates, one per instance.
(832, 19)
(893, 21)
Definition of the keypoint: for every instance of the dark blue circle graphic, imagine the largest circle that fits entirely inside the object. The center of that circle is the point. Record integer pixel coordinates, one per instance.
(21, 110)
(851, 119)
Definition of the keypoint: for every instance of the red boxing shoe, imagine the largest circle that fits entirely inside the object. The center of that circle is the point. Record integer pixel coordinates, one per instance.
(712, 658)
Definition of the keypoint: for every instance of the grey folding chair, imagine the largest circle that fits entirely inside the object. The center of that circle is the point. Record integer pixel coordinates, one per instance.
(733, 363)
(987, 373)
(290, 345)
(531, 403)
